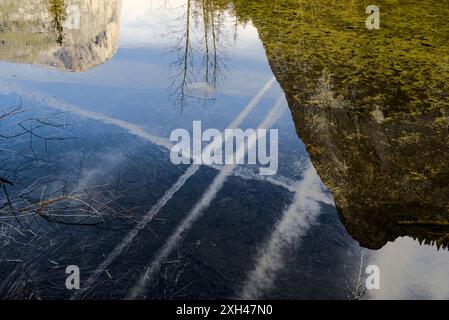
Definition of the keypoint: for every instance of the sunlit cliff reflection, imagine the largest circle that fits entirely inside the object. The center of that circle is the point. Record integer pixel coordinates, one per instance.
(72, 35)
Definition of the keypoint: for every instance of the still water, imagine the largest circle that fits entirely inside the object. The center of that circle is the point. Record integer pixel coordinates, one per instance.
(91, 91)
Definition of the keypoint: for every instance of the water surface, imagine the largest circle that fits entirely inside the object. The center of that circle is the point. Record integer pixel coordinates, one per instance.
(95, 89)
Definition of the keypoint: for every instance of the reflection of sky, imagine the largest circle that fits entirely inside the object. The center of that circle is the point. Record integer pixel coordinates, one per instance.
(133, 87)
(411, 271)
(149, 24)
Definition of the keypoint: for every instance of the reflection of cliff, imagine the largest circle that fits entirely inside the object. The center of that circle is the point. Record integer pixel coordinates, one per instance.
(372, 107)
(73, 35)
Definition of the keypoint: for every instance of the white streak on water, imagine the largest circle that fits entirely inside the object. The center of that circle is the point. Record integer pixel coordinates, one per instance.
(197, 211)
(165, 143)
(154, 211)
(295, 223)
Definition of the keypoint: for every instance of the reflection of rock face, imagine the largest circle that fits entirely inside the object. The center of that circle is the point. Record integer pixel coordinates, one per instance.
(73, 35)
(372, 108)
(389, 176)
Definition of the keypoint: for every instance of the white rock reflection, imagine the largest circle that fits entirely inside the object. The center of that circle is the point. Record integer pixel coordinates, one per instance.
(72, 35)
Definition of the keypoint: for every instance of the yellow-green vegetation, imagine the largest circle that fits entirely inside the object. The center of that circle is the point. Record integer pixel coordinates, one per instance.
(371, 106)
(404, 66)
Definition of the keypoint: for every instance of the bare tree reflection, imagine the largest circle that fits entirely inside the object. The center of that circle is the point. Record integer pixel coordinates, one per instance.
(197, 69)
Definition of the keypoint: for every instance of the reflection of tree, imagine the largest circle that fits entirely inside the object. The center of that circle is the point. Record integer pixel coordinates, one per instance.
(57, 11)
(199, 62)
(209, 24)
(182, 64)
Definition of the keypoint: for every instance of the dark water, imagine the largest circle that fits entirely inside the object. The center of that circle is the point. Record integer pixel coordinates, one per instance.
(94, 90)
